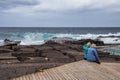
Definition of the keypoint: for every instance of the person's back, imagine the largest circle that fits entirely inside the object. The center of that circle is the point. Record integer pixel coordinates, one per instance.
(92, 55)
(85, 48)
(85, 51)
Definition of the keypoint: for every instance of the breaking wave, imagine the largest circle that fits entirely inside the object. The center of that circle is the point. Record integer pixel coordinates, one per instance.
(29, 38)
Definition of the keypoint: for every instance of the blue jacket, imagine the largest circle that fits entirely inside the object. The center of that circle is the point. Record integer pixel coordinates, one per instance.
(85, 48)
(92, 54)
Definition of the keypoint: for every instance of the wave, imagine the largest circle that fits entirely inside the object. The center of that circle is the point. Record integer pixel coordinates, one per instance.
(29, 38)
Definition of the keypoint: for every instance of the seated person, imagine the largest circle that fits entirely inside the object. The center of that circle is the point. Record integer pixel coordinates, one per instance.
(92, 54)
(85, 48)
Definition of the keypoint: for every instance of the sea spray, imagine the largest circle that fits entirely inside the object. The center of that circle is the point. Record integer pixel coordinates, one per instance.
(36, 38)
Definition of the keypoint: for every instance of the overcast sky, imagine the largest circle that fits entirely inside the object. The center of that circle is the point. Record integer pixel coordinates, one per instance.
(59, 13)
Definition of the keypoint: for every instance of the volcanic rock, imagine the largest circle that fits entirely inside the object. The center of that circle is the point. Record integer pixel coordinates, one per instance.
(84, 41)
(20, 60)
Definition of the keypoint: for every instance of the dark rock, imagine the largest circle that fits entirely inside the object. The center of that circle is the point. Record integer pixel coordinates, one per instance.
(111, 36)
(61, 39)
(105, 56)
(22, 59)
(117, 58)
(24, 54)
(8, 42)
(32, 58)
(15, 48)
(3, 50)
(50, 42)
(73, 54)
(84, 41)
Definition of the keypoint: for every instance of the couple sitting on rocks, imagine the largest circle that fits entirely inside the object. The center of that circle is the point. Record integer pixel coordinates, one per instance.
(90, 52)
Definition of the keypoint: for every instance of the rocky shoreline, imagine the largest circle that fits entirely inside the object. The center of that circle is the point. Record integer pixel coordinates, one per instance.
(17, 60)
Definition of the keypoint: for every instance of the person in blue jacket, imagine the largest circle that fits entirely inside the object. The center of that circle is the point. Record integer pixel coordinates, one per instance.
(92, 54)
(85, 48)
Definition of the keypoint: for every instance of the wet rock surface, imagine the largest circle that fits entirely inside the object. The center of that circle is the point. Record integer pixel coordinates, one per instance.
(83, 41)
(19, 60)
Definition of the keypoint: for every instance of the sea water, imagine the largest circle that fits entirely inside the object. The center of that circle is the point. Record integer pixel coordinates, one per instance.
(36, 35)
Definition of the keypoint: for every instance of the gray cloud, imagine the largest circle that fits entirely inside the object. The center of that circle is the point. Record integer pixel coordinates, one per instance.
(8, 4)
(59, 13)
(33, 6)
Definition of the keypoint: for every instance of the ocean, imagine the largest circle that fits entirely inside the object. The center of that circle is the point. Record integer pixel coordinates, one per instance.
(37, 35)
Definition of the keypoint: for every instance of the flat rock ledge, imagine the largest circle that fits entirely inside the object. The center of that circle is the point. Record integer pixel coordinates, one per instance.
(20, 60)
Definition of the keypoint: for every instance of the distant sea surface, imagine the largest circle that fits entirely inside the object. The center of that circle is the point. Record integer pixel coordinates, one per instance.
(36, 35)
(70, 30)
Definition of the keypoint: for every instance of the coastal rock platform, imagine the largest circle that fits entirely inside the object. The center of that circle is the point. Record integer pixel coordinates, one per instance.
(20, 60)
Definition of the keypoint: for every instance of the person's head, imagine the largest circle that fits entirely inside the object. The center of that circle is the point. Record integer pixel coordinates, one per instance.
(88, 44)
(93, 45)
(83, 43)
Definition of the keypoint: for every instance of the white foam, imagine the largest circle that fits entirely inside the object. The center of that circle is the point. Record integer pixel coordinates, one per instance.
(110, 40)
(39, 38)
(31, 42)
(32, 39)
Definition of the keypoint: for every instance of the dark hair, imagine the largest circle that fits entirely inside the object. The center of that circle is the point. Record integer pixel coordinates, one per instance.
(82, 43)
